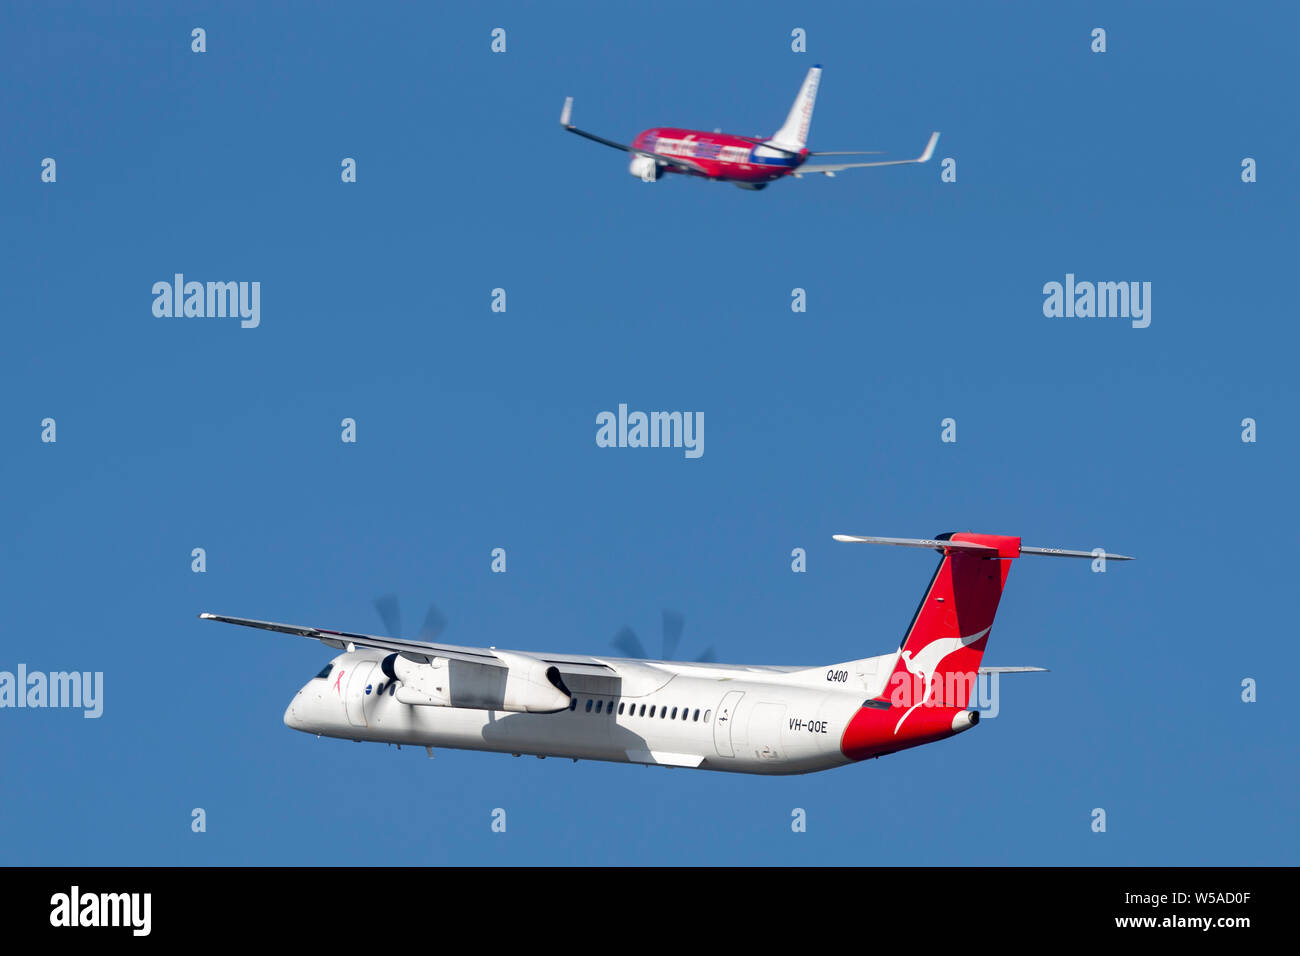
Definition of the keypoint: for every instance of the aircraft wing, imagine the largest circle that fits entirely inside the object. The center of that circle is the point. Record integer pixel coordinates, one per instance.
(685, 165)
(830, 169)
(418, 650)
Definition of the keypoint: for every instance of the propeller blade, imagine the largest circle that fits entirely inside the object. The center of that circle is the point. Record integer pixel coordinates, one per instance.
(674, 623)
(434, 625)
(390, 611)
(627, 642)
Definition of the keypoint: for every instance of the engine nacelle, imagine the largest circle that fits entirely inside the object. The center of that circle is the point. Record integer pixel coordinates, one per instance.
(525, 685)
(533, 686)
(428, 684)
(646, 168)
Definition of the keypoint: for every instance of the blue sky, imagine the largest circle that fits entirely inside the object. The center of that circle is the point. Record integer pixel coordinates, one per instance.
(476, 429)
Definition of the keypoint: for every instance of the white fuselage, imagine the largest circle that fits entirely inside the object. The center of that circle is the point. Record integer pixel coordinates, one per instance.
(712, 717)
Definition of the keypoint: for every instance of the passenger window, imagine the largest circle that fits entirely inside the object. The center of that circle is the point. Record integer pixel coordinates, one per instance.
(599, 704)
(706, 715)
(697, 715)
(652, 710)
(573, 703)
(674, 713)
(589, 703)
(642, 714)
(392, 686)
(620, 708)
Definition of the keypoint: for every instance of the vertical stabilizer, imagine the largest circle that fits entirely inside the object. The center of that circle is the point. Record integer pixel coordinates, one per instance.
(794, 134)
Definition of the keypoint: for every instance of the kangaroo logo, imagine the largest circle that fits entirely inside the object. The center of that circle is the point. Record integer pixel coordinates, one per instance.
(926, 664)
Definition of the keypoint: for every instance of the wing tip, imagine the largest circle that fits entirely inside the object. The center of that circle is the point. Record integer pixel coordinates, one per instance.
(929, 147)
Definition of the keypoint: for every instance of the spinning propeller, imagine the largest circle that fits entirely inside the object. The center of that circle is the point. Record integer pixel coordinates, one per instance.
(626, 641)
(631, 646)
(390, 611)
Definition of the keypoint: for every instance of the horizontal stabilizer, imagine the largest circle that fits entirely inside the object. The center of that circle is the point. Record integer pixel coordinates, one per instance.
(1060, 553)
(932, 543)
(970, 547)
(1013, 670)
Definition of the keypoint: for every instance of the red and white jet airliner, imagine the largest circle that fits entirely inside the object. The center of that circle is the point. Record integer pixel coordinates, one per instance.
(749, 162)
(739, 718)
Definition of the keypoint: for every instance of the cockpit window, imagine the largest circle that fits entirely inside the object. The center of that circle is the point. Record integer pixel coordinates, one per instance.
(325, 672)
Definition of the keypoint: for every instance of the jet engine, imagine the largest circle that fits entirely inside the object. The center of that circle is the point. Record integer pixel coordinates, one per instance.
(646, 168)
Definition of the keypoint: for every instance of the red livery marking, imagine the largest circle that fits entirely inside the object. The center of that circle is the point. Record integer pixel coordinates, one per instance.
(871, 733)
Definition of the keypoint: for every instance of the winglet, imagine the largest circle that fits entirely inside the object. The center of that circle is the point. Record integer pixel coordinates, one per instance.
(929, 148)
(567, 113)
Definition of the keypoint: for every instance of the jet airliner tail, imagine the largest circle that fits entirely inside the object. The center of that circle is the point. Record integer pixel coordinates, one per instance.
(793, 136)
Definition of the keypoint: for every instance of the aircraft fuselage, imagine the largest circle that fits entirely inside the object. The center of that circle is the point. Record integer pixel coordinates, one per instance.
(721, 156)
(647, 715)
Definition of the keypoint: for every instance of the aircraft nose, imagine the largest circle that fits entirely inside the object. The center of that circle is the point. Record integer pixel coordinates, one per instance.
(291, 718)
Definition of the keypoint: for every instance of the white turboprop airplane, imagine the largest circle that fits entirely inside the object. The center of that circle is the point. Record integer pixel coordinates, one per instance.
(744, 719)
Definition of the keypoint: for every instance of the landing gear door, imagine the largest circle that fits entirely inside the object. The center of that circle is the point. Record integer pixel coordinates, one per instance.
(722, 722)
(359, 684)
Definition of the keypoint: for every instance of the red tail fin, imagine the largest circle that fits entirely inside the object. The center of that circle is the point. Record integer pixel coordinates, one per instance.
(941, 653)
(940, 656)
